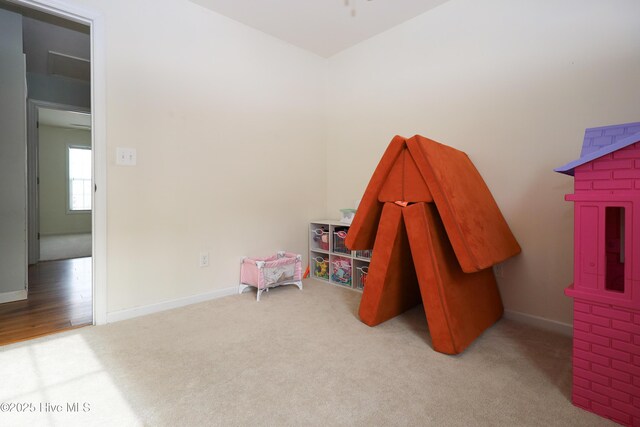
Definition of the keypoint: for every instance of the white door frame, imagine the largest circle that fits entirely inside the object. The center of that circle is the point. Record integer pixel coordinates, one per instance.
(96, 23)
(33, 169)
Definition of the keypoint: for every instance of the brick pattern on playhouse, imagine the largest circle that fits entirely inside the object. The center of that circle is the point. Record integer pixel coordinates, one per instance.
(606, 361)
(615, 172)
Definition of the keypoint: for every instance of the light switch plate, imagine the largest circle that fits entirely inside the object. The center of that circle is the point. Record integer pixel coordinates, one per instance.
(126, 156)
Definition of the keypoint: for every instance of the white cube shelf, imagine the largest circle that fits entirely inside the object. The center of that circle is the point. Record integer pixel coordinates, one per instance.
(329, 258)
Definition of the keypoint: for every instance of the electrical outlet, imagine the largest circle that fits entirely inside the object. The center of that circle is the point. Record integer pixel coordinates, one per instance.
(204, 259)
(498, 270)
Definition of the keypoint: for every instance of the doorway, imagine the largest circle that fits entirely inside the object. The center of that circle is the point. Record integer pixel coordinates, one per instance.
(61, 274)
(60, 182)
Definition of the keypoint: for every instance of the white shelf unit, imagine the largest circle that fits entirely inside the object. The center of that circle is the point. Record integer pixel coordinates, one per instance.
(329, 258)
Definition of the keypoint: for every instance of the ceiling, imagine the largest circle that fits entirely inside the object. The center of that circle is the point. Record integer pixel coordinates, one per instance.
(64, 119)
(53, 45)
(324, 27)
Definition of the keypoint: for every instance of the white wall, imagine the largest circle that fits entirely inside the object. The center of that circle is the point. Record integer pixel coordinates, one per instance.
(239, 145)
(53, 194)
(229, 129)
(512, 83)
(13, 162)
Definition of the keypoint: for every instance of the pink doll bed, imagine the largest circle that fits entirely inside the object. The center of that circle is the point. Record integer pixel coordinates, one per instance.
(283, 268)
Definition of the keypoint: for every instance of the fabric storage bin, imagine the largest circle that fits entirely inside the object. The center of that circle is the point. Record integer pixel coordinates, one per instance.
(361, 280)
(320, 238)
(338, 241)
(320, 267)
(341, 271)
(366, 254)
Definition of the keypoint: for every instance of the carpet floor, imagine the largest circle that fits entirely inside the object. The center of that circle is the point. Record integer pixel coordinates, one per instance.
(65, 246)
(296, 358)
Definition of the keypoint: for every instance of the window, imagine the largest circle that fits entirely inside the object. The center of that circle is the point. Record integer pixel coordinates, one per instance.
(79, 179)
(614, 241)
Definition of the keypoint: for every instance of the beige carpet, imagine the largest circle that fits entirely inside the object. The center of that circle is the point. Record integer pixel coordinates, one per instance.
(296, 358)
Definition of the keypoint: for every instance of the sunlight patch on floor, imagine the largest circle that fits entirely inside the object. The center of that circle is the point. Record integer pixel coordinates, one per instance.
(59, 382)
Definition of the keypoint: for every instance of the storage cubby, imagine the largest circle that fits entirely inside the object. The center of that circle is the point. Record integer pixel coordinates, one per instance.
(360, 273)
(341, 268)
(339, 234)
(319, 237)
(331, 260)
(319, 265)
(365, 255)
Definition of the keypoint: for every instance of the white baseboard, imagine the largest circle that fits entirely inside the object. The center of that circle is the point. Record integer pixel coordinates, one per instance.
(13, 296)
(540, 322)
(130, 313)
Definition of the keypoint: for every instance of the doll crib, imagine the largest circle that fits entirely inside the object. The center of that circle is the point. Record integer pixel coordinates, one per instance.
(283, 268)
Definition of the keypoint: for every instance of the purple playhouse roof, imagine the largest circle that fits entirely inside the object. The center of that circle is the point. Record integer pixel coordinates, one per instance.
(601, 141)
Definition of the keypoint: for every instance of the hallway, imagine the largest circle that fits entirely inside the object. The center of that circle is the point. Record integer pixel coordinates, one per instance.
(59, 299)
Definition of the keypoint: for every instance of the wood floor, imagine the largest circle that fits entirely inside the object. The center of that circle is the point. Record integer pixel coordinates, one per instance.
(59, 299)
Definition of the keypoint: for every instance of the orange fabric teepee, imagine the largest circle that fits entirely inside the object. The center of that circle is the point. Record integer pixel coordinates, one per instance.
(435, 231)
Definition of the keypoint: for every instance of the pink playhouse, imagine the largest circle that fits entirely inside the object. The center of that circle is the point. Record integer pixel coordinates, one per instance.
(606, 288)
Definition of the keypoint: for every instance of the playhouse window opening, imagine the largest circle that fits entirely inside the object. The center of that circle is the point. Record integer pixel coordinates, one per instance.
(614, 247)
